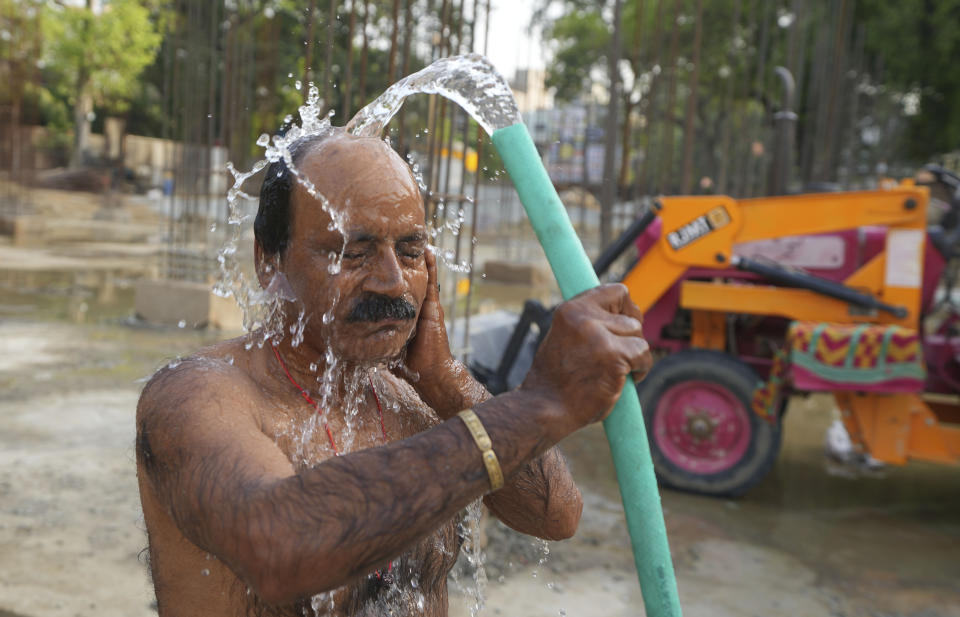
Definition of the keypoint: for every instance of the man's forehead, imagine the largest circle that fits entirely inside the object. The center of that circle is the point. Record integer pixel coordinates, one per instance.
(360, 179)
(344, 158)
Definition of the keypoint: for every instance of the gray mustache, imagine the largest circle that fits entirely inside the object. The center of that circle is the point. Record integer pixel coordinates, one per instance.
(378, 307)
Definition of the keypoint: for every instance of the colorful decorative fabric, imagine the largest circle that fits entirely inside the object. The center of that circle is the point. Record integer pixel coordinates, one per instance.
(766, 396)
(864, 357)
(830, 357)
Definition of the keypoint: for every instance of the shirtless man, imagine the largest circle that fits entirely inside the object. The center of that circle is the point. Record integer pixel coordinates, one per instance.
(248, 508)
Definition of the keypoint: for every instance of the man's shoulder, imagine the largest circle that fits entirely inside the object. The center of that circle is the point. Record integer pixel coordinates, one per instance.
(216, 373)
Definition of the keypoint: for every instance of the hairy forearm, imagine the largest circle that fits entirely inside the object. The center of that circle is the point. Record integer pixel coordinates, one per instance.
(357, 512)
(541, 499)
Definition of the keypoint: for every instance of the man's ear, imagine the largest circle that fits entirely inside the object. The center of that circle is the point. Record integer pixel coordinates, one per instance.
(265, 266)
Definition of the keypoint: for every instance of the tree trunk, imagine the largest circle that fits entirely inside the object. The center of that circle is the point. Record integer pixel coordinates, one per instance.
(363, 55)
(689, 124)
(665, 182)
(308, 59)
(392, 69)
(407, 37)
(609, 190)
(81, 121)
(328, 68)
(348, 77)
(625, 141)
(650, 108)
(84, 104)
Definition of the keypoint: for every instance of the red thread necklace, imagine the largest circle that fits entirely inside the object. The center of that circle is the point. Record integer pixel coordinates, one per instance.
(326, 427)
(316, 405)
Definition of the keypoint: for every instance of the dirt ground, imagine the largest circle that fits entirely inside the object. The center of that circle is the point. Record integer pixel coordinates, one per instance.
(811, 539)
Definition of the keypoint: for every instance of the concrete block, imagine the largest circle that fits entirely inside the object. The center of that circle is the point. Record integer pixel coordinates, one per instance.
(25, 230)
(511, 296)
(169, 302)
(533, 275)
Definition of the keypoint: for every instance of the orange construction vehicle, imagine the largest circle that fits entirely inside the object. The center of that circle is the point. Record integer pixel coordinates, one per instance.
(749, 301)
(755, 299)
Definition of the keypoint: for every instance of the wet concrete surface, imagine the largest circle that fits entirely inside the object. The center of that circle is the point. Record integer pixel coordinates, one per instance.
(811, 539)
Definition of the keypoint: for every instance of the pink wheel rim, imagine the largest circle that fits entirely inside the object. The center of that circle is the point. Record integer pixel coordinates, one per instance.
(701, 427)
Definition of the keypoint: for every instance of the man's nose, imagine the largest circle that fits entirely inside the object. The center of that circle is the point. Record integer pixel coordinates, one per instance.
(387, 275)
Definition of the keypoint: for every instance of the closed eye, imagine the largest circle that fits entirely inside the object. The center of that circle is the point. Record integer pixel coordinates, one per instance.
(412, 251)
(358, 249)
(412, 246)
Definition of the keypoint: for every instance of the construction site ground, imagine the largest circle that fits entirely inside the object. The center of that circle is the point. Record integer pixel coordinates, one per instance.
(813, 538)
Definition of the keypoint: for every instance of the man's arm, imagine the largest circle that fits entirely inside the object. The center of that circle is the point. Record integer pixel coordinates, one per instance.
(232, 491)
(541, 499)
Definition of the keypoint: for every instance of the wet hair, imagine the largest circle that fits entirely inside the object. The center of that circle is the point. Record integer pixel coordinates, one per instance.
(271, 228)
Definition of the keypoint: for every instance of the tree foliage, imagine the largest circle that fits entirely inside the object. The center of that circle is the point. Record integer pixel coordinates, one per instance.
(905, 52)
(919, 42)
(580, 39)
(101, 55)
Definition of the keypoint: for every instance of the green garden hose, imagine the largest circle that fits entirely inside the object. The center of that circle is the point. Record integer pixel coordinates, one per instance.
(624, 427)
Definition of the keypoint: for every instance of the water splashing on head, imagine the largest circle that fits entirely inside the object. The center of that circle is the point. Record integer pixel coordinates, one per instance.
(470, 81)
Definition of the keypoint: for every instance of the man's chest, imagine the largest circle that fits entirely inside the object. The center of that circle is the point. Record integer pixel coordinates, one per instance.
(413, 584)
(308, 435)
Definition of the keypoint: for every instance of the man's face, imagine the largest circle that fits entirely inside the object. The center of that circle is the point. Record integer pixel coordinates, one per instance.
(375, 297)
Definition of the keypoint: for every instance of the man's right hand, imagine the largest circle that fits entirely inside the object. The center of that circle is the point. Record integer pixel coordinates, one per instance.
(594, 343)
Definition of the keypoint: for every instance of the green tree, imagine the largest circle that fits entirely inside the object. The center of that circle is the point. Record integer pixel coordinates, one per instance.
(97, 57)
(699, 85)
(919, 42)
(19, 48)
(579, 40)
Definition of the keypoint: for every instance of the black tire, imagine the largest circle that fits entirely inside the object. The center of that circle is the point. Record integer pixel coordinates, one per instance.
(734, 380)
